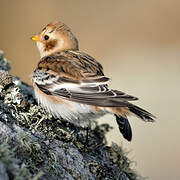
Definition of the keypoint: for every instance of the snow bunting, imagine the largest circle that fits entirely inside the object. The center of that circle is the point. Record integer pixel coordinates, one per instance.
(71, 84)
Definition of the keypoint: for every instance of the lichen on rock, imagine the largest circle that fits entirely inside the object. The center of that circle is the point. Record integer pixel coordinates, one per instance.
(4, 65)
(35, 145)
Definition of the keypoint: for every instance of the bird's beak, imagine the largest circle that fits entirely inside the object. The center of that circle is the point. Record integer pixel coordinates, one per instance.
(35, 38)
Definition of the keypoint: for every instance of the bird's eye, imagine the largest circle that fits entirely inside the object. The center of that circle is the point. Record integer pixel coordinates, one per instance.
(46, 37)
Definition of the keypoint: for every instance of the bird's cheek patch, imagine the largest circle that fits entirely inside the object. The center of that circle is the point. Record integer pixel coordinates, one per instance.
(50, 45)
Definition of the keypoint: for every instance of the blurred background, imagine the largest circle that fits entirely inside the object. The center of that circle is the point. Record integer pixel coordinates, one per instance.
(138, 43)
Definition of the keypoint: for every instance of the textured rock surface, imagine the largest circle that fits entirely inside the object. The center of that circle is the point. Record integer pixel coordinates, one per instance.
(34, 145)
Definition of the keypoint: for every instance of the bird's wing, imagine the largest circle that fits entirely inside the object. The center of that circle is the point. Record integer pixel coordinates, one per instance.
(76, 76)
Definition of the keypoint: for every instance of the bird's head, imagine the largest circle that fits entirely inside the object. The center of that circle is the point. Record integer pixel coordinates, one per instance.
(55, 37)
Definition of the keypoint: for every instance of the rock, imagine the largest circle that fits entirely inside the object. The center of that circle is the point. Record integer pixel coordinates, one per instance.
(35, 145)
(3, 173)
(4, 65)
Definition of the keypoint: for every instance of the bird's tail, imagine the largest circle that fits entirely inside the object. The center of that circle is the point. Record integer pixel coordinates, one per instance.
(123, 123)
(142, 114)
(124, 127)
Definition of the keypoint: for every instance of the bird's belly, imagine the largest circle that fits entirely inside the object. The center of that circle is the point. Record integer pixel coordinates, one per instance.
(78, 114)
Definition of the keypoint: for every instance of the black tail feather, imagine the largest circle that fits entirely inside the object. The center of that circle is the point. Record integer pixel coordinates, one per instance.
(141, 113)
(124, 127)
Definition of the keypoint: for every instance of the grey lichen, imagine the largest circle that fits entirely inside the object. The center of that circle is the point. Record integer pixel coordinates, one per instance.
(34, 145)
(4, 65)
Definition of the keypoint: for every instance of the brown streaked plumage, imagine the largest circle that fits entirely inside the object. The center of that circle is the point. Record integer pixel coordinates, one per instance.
(74, 65)
(71, 84)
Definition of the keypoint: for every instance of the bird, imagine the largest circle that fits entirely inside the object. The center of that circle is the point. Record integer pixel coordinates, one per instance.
(71, 84)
